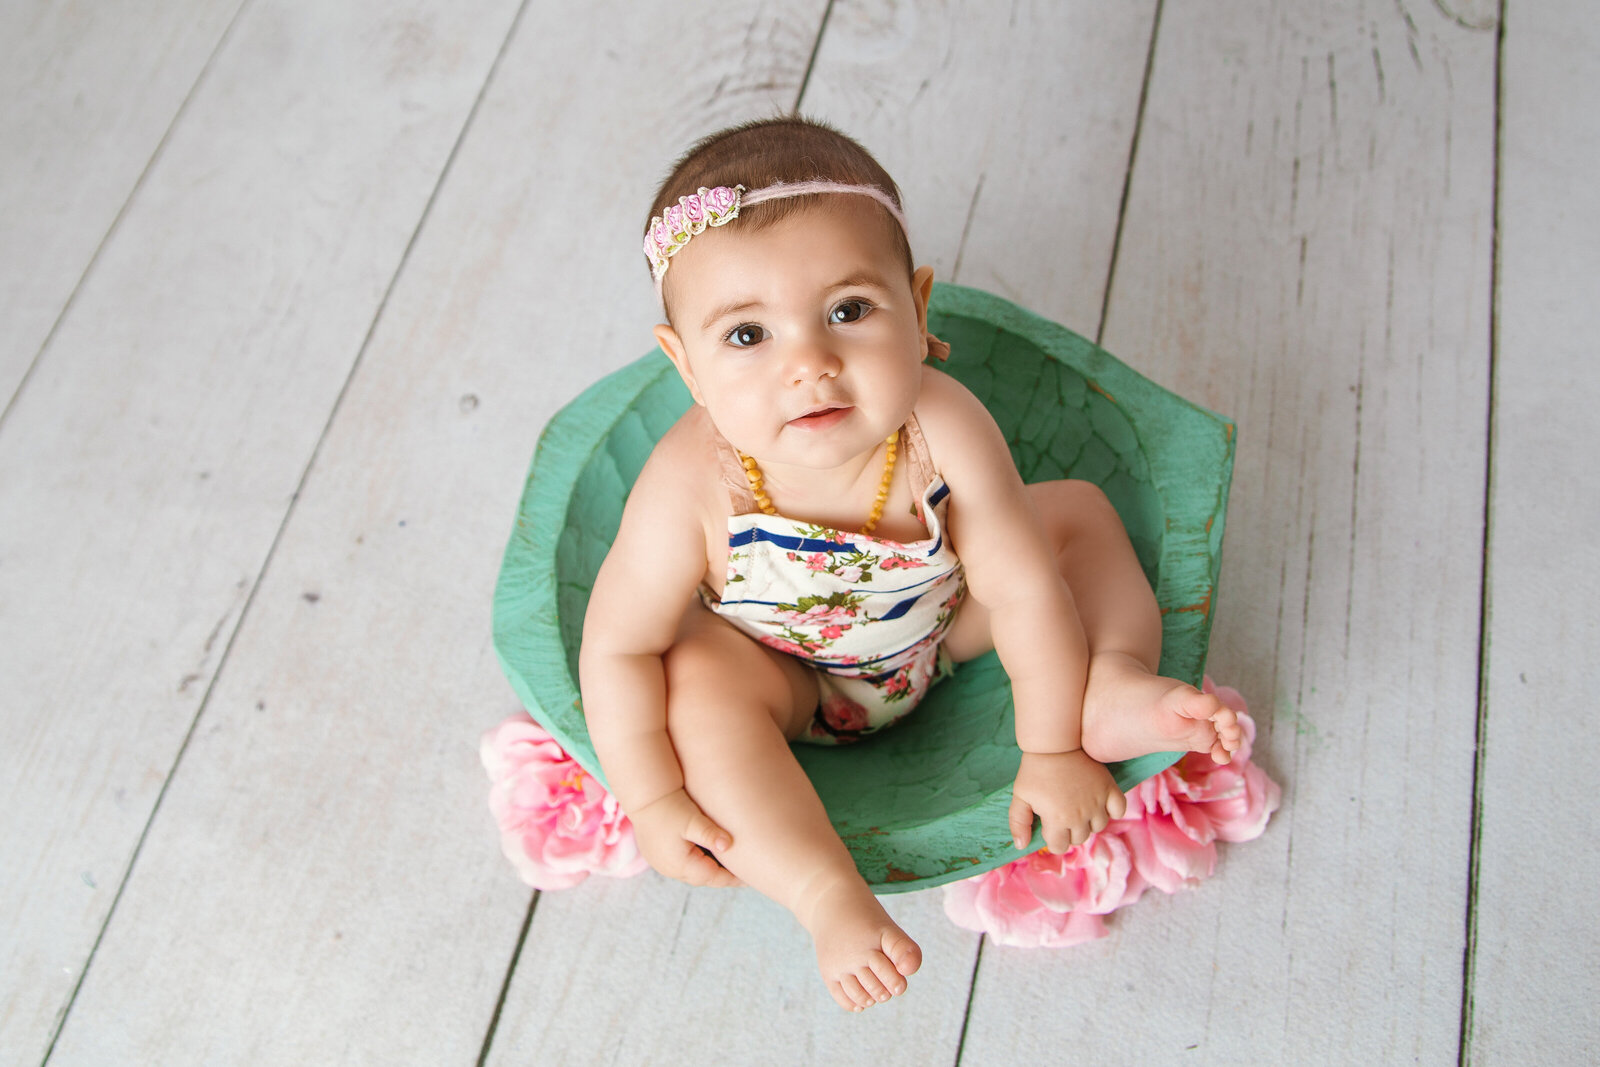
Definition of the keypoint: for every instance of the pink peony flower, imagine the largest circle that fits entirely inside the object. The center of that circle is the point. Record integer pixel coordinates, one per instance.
(849, 574)
(817, 561)
(1239, 797)
(834, 632)
(1046, 901)
(1174, 818)
(1166, 840)
(557, 824)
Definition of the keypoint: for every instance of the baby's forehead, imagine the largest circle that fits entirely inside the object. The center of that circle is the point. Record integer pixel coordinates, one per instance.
(863, 220)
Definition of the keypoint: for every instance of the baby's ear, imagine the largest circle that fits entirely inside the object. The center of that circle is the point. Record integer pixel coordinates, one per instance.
(921, 291)
(672, 345)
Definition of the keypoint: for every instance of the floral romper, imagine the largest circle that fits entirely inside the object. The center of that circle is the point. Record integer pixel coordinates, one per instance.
(868, 613)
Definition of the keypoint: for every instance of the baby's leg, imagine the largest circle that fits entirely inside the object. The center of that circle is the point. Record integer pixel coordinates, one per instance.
(731, 706)
(1128, 708)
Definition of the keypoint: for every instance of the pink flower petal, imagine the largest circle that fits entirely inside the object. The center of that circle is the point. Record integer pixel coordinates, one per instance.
(557, 824)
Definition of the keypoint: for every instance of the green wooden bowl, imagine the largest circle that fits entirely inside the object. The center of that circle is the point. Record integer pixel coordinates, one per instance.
(925, 802)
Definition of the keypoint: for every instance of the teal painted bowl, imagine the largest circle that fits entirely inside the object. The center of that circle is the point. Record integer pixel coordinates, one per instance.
(925, 802)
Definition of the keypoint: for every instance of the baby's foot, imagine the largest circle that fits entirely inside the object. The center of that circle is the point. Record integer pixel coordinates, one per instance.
(863, 956)
(1128, 712)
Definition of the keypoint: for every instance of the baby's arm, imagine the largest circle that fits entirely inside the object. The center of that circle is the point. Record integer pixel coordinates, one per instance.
(1011, 569)
(638, 601)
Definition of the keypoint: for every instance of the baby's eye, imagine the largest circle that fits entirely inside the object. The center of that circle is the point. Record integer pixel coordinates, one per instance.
(849, 311)
(745, 335)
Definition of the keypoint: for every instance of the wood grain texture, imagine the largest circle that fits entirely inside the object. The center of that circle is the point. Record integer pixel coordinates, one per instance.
(649, 971)
(1307, 248)
(1009, 137)
(83, 115)
(370, 915)
(146, 469)
(1535, 980)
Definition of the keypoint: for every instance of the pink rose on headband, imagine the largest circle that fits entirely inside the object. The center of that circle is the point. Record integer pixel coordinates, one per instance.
(694, 211)
(672, 216)
(557, 823)
(719, 202)
(661, 233)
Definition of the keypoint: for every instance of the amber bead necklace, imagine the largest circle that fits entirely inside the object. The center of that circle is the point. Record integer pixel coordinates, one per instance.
(753, 473)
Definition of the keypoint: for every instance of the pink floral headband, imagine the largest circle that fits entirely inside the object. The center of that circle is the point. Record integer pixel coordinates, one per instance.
(670, 231)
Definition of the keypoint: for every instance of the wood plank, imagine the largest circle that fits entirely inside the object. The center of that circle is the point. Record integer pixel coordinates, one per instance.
(1009, 138)
(882, 72)
(1307, 249)
(633, 971)
(645, 970)
(146, 469)
(1535, 980)
(375, 839)
(867, 74)
(84, 114)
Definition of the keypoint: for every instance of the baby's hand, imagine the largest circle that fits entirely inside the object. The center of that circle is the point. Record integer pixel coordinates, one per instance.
(671, 832)
(1072, 794)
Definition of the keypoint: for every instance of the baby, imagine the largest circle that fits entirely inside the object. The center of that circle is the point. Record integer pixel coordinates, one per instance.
(827, 529)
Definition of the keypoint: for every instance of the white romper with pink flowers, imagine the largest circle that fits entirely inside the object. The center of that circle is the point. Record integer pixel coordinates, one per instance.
(868, 613)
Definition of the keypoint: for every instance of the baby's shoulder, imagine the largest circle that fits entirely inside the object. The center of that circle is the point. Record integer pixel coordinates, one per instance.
(954, 422)
(684, 466)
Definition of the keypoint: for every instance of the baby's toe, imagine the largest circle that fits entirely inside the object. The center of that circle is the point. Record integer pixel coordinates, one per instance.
(888, 976)
(902, 952)
(836, 990)
(872, 984)
(860, 999)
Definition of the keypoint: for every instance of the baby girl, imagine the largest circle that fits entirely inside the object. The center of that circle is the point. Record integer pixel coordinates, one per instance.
(831, 525)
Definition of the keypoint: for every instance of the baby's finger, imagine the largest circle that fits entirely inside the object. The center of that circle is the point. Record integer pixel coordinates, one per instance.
(700, 869)
(707, 834)
(1058, 837)
(1021, 820)
(1116, 804)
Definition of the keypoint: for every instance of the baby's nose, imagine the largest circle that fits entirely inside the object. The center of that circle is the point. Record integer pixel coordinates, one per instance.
(811, 361)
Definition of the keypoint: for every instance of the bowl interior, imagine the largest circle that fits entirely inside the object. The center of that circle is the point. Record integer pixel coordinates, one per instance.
(926, 801)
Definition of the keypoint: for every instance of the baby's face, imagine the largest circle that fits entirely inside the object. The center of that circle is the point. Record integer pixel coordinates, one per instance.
(804, 340)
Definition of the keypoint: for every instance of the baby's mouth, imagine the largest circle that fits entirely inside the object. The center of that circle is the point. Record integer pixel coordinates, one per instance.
(820, 418)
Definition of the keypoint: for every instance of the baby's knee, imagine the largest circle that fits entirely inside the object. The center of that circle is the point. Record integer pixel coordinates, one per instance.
(1071, 504)
(697, 660)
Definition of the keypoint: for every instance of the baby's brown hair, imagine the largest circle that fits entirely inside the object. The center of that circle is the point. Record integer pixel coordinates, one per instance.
(788, 149)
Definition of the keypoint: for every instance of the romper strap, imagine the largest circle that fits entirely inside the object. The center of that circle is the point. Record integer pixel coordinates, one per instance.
(740, 498)
(919, 464)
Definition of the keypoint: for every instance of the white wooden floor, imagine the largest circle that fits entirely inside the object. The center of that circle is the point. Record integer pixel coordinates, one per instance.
(288, 290)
